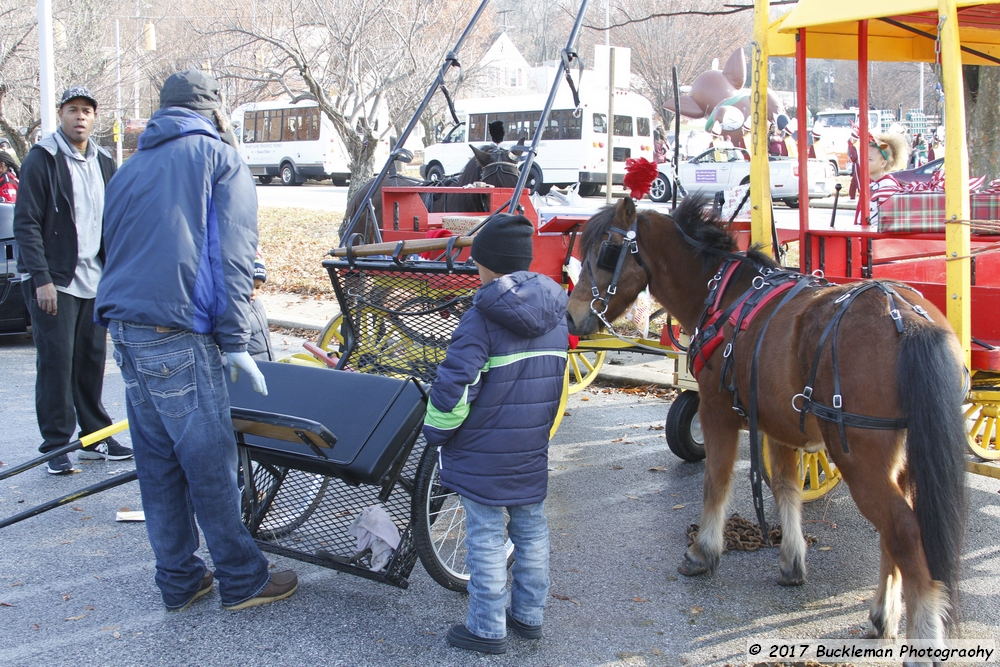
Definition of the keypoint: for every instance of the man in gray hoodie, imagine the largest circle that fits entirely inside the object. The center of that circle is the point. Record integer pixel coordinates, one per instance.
(58, 221)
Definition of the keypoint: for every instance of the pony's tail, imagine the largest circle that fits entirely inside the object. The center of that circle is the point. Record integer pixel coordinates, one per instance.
(930, 386)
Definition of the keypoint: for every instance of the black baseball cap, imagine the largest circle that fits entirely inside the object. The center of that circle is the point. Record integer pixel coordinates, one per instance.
(75, 92)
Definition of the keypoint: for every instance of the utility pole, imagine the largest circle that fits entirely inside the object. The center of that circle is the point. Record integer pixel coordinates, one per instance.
(46, 71)
(118, 97)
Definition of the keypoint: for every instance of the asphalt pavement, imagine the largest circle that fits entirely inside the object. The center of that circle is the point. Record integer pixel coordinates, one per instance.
(76, 587)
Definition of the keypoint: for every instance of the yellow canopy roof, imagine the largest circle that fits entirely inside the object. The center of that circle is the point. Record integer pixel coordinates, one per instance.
(832, 29)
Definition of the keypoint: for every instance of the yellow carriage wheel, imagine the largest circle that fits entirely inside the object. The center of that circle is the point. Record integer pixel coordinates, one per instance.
(817, 473)
(983, 419)
(331, 335)
(561, 411)
(582, 365)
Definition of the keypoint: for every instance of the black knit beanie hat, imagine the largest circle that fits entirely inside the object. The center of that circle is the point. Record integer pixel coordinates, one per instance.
(504, 245)
(192, 89)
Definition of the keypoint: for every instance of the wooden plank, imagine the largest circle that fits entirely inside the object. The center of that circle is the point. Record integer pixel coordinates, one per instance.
(411, 247)
(982, 469)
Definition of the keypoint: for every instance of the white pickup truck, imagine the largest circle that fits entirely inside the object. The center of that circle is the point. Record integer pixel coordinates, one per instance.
(721, 168)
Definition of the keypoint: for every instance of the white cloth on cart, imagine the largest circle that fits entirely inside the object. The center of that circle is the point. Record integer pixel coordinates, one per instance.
(375, 530)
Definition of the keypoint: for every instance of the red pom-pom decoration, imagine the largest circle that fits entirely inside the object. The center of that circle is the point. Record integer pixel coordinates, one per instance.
(639, 175)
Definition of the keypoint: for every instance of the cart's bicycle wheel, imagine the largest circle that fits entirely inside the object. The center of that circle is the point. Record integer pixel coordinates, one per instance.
(583, 366)
(280, 510)
(438, 521)
(818, 475)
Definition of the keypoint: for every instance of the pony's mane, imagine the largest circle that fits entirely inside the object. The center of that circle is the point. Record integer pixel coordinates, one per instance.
(709, 235)
(595, 229)
(706, 232)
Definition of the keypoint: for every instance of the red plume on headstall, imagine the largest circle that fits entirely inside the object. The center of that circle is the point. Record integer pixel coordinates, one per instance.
(639, 175)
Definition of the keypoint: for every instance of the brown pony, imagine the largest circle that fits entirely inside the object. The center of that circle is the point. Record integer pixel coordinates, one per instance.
(908, 378)
(492, 165)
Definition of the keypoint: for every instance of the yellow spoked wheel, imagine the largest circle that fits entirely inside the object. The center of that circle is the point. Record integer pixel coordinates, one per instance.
(330, 335)
(329, 340)
(562, 404)
(982, 419)
(582, 365)
(817, 473)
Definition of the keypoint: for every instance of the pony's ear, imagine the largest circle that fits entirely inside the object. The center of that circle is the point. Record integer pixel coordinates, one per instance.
(510, 156)
(482, 156)
(625, 212)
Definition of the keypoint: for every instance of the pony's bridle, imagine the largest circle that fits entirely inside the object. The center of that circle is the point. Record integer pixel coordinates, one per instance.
(507, 168)
(611, 257)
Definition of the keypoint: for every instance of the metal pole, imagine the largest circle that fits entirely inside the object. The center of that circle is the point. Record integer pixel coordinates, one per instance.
(677, 137)
(46, 72)
(450, 60)
(118, 95)
(864, 178)
(611, 121)
(607, 23)
(921, 87)
(138, 37)
(801, 103)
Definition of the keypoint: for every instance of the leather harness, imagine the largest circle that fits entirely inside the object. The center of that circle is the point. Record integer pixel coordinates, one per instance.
(768, 285)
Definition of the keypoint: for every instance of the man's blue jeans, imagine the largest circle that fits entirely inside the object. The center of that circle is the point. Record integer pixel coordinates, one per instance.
(487, 562)
(186, 460)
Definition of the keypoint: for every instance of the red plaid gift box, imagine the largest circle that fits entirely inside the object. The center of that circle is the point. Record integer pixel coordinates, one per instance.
(923, 212)
(912, 212)
(986, 206)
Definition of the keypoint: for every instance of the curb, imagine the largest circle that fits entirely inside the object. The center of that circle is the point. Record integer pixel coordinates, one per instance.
(295, 324)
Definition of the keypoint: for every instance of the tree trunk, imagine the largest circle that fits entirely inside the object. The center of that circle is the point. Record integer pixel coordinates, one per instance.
(982, 117)
(362, 163)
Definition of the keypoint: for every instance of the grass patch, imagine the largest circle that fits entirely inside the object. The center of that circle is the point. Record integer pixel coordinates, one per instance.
(294, 242)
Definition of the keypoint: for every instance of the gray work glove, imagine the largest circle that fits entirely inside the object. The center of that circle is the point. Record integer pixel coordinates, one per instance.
(243, 361)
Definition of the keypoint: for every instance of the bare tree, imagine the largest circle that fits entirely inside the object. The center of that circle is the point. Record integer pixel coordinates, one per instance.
(688, 42)
(346, 56)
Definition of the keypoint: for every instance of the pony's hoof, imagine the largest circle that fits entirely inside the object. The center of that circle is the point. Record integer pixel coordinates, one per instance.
(795, 576)
(689, 568)
(791, 579)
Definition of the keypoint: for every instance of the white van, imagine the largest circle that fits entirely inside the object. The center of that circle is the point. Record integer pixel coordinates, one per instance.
(295, 142)
(573, 146)
(834, 130)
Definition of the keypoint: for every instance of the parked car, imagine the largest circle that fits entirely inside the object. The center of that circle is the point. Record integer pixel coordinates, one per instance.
(719, 169)
(13, 312)
(920, 174)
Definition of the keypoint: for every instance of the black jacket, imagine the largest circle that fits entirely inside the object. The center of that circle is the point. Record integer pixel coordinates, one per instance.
(45, 217)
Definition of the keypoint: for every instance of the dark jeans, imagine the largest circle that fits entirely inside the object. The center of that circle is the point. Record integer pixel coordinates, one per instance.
(70, 351)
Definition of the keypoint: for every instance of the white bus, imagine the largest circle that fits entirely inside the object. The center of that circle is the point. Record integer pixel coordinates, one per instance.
(573, 146)
(295, 142)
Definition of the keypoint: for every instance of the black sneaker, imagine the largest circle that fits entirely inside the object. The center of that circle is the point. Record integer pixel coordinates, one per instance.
(461, 637)
(108, 448)
(523, 630)
(60, 465)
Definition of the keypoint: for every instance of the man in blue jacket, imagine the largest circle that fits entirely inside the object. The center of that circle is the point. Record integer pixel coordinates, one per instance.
(490, 412)
(180, 234)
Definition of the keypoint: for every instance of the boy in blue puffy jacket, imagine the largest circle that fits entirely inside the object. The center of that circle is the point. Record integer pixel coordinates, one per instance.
(490, 412)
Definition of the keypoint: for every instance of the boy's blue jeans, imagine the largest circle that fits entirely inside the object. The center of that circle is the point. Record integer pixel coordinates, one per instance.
(186, 460)
(487, 562)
